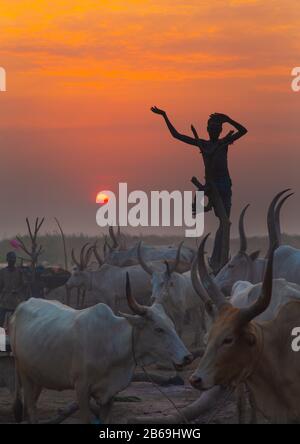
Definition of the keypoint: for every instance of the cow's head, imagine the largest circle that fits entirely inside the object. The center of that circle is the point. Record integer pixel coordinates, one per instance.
(118, 244)
(77, 279)
(241, 266)
(78, 276)
(234, 341)
(154, 337)
(163, 281)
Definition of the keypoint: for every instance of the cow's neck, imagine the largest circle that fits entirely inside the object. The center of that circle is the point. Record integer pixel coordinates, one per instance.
(139, 353)
(122, 370)
(89, 280)
(265, 380)
(258, 271)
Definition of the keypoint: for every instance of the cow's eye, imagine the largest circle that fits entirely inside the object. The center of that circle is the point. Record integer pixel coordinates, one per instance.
(227, 341)
(159, 330)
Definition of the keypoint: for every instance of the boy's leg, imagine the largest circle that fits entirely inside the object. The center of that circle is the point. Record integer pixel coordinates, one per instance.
(225, 194)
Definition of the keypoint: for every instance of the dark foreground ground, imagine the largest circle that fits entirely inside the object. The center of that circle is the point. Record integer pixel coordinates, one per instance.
(151, 403)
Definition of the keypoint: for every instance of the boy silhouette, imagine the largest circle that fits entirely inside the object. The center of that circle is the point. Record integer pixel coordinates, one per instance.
(215, 146)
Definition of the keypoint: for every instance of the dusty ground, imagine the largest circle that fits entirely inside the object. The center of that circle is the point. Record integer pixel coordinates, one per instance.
(151, 403)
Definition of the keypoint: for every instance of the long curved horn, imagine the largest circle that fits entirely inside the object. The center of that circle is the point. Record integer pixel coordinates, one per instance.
(273, 239)
(277, 216)
(76, 262)
(142, 262)
(97, 255)
(113, 237)
(107, 245)
(174, 267)
(243, 238)
(132, 303)
(196, 284)
(169, 272)
(121, 239)
(63, 237)
(87, 257)
(82, 255)
(208, 283)
(262, 303)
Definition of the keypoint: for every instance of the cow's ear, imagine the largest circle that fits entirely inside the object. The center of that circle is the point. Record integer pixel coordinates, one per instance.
(134, 320)
(253, 256)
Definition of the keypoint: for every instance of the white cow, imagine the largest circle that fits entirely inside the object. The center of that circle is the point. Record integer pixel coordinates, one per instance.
(91, 351)
(244, 294)
(124, 258)
(119, 254)
(176, 293)
(249, 267)
(108, 283)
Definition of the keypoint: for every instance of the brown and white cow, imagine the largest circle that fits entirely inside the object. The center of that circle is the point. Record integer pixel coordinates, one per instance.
(256, 353)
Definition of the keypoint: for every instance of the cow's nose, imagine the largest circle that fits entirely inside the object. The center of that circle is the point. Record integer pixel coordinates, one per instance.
(188, 359)
(196, 381)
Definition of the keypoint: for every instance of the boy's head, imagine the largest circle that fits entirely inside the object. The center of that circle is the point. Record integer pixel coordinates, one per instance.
(11, 259)
(214, 128)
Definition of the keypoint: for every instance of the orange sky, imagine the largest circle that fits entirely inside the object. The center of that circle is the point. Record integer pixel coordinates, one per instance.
(82, 75)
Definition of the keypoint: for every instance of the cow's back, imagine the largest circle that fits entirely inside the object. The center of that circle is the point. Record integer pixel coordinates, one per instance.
(287, 263)
(246, 294)
(110, 283)
(51, 341)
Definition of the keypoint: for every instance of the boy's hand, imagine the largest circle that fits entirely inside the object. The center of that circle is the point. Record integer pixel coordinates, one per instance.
(156, 110)
(221, 117)
(194, 132)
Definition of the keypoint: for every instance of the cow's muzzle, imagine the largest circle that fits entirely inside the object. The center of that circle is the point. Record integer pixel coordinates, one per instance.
(200, 383)
(188, 359)
(196, 382)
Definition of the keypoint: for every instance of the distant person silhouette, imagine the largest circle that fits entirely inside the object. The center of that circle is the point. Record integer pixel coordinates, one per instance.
(220, 173)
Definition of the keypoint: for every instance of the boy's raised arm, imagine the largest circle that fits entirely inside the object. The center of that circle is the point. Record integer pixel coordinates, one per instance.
(173, 131)
(232, 135)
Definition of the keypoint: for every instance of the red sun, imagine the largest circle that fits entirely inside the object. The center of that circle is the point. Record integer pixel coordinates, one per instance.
(101, 198)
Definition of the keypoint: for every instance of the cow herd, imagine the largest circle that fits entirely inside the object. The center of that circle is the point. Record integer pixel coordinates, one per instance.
(143, 296)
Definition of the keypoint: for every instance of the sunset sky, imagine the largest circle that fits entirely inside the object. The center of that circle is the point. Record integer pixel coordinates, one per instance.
(82, 76)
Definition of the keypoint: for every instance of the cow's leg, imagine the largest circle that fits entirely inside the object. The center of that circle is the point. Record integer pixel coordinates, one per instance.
(253, 418)
(105, 412)
(83, 399)
(241, 403)
(31, 394)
